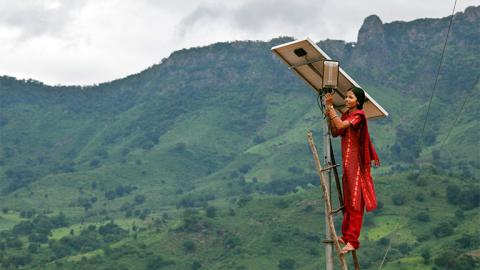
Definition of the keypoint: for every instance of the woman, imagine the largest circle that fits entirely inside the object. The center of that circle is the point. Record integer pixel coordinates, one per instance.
(357, 154)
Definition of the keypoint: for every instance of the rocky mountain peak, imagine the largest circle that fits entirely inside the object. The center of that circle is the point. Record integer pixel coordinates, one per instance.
(472, 13)
(372, 29)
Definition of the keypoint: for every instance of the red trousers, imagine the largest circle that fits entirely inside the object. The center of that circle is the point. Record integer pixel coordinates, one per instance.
(352, 223)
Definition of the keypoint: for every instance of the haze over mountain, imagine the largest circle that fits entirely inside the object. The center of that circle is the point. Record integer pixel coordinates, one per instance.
(202, 160)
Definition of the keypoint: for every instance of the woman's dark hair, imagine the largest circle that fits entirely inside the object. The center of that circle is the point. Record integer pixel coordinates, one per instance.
(360, 95)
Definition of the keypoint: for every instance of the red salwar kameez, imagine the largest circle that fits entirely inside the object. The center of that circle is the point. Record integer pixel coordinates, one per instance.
(358, 188)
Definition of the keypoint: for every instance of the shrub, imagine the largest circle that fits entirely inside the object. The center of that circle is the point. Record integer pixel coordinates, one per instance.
(384, 241)
(23, 228)
(245, 168)
(459, 214)
(13, 242)
(188, 246)
(277, 237)
(423, 217)
(450, 259)
(231, 242)
(313, 252)
(287, 264)
(139, 199)
(399, 199)
(196, 265)
(33, 248)
(453, 192)
(404, 248)
(157, 262)
(180, 147)
(282, 204)
(421, 182)
(445, 228)
(419, 197)
(258, 139)
(467, 241)
(426, 256)
(211, 211)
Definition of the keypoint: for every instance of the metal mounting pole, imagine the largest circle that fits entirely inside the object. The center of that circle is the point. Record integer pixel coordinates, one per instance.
(327, 162)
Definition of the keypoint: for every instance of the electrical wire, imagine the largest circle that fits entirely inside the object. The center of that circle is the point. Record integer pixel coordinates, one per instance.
(385, 256)
(438, 70)
(320, 104)
(458, 116)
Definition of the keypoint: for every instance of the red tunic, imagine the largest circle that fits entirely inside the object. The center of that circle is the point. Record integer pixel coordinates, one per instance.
(357, 153)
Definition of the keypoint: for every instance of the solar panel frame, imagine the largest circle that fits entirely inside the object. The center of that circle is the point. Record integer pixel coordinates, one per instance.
(310, 67)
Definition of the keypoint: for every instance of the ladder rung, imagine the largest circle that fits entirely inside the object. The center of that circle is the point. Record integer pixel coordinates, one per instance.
(329, 167)
(336, 210)
(327, 241)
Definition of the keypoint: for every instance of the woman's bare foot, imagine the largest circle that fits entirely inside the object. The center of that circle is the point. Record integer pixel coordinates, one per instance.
(347, 248)
(340, 240)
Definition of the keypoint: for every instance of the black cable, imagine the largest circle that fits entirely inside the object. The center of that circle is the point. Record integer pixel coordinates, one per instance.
(458, 116)
(438, 71)
(320, 104)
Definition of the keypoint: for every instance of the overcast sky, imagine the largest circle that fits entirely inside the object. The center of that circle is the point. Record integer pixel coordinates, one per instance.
(85, 41)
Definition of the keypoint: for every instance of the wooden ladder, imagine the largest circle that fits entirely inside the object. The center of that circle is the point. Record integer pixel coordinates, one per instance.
(328, 203)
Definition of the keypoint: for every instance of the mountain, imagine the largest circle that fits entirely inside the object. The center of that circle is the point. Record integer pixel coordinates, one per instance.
(202, 161)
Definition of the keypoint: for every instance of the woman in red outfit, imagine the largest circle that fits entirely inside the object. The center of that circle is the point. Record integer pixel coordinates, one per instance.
(357, 154)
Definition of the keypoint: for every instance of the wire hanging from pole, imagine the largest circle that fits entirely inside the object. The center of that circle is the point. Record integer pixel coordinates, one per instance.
(438, 70)
(385, 256)
(458, 116)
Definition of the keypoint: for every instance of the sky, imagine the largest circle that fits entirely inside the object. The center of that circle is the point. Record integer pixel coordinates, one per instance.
(85, 42)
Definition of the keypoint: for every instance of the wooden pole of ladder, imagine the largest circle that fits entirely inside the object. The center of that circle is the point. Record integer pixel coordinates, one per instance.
(326, 196)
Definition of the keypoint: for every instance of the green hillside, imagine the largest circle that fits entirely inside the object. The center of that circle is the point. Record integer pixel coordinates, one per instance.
(201, 161)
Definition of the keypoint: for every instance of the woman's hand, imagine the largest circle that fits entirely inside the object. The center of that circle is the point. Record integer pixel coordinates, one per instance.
(328, 99)
(329, 112)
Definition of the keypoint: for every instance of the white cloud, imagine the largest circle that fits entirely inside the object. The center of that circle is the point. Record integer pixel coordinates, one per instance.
(85, 41)
(33, 18)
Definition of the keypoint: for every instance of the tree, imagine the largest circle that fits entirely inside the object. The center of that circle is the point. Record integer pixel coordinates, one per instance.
(139, 199)
(445, 228)
(419, 197)
(95, 163)
(211, 211)
(196, 265)
(470, 198)
(157, 262)
(19, 260)
(59, 220)
(23, 228)
(189, 246)
(286, 264)
(449, 259)
(231, 241)
(258, 139)
(14, 242)
(60, 249)
(180, 147)
(453, 192)
(33, 247)
(38, 238)
(399, 199)
(404, 248)
(110, 195)
(245, 168)
(423, 217)
(426, 256)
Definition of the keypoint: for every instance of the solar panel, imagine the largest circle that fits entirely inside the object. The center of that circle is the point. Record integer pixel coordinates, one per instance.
(306, 59)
